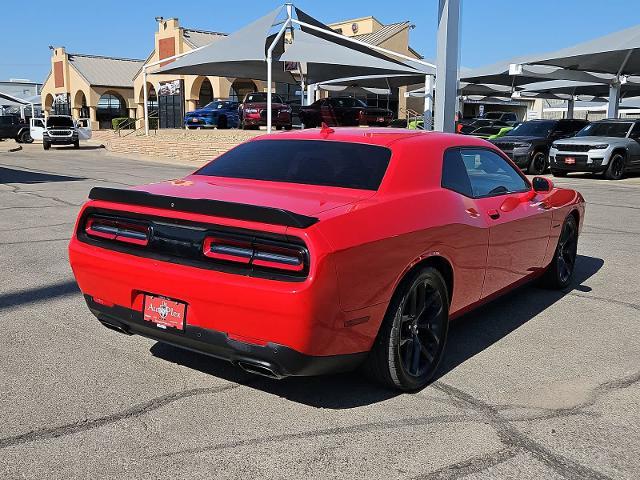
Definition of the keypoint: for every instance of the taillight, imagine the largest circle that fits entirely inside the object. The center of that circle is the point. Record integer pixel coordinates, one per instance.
(258, 253)
(118, 230)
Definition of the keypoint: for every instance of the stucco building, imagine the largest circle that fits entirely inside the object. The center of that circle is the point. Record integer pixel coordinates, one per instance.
(102, 88)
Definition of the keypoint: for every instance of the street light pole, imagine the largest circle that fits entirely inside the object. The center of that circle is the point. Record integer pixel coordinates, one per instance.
(447, 64)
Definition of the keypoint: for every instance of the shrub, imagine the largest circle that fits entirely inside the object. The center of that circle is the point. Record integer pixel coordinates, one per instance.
(117, 122)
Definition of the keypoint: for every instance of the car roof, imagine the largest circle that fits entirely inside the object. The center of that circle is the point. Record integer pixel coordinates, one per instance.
(382, 136)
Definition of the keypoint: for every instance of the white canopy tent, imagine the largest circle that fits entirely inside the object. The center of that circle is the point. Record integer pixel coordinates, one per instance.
(319, 54)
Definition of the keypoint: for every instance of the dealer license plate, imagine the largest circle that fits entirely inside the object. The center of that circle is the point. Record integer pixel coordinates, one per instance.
(195, 120)
(164, 313)
(570, 160)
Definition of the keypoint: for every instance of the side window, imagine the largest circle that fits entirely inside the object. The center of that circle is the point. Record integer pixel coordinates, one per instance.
(454, 173)
(5, 120)
(477, 173)
(510, 117)
(635, 131)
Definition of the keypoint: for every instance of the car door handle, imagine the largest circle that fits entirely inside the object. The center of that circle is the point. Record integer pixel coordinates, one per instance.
(493, 213)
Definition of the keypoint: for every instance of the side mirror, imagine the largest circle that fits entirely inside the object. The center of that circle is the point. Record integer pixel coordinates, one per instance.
(542, 184)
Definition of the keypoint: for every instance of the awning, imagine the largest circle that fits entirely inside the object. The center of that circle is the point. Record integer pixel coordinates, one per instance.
(617, 53)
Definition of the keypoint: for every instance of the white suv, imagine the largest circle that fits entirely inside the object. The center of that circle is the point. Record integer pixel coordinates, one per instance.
(60, 130)
(610, 147)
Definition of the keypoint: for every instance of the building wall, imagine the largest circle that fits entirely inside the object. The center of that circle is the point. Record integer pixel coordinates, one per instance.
(72, 83)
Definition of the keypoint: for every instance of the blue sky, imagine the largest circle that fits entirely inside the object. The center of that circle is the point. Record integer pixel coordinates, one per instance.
(492, 30)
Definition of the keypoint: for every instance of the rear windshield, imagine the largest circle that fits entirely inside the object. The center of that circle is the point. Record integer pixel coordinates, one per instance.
(605, 129)
(310, 162)
(59, 122)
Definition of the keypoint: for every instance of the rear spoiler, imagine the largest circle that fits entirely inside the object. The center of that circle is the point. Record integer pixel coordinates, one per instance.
(218, 208)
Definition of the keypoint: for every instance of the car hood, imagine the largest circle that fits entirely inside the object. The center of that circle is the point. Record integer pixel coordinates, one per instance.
(303, 199)
(582, 140)
(201, 111)
(518, 138)
(263, 105)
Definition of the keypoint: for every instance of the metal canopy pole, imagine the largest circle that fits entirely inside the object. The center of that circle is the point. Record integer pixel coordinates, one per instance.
(285, 25)
(614, 100)
(447, 64)
(428, 102)
(146, 102)
(571, 102)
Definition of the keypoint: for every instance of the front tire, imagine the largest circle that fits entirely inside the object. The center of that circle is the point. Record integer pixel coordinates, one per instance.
(222, 123)
(46, 145)
(538, 164)
(76, 144)
(413, 334)
(615, 170)
(560, 272)
(558, 173)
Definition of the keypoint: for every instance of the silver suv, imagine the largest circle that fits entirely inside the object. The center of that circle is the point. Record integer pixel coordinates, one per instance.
(610, 147)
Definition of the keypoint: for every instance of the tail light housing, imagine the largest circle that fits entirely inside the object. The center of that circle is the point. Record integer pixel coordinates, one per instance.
(257, 253)
(124, 231)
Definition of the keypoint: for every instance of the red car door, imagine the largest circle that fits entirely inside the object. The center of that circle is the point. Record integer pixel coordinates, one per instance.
(519, 226)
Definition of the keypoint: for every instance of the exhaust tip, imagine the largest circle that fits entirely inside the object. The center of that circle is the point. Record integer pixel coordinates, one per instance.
(117, 328)
(258, 369)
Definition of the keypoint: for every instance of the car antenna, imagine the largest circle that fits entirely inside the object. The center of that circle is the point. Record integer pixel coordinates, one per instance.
(326, 129)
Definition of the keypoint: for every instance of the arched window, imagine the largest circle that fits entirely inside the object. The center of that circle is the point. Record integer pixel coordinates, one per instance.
(110, 106)
(206, 93)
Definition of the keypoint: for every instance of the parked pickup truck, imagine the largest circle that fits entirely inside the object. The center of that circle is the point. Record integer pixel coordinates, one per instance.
(14, 127)
(60, 130)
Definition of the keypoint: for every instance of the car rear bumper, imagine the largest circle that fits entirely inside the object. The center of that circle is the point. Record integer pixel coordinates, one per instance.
(302, 314)
(271, 359)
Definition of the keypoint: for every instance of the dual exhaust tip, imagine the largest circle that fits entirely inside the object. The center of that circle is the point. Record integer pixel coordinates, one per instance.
(258, 368)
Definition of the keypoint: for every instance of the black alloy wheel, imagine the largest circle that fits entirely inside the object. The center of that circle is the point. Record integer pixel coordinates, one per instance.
(615, 171)
(413, 335)
(538, 164)
(561, 270)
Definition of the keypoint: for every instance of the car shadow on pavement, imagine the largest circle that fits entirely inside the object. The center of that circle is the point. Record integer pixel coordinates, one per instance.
(469, 335)
(11, 175)
(338, 391)
(478, 330)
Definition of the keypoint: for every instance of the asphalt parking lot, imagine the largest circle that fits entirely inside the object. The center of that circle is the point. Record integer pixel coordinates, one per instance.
(540, 384)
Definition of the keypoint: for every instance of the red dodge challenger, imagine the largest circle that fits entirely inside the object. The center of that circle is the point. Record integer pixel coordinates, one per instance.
(302, 253)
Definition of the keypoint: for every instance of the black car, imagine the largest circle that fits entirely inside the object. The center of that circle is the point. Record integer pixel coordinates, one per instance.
(343, 112)
(12, 126)
(528, 144)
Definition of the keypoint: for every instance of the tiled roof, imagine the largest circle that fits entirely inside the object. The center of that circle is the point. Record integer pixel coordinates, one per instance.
(386, 32)
(200, 38)
(105, 71)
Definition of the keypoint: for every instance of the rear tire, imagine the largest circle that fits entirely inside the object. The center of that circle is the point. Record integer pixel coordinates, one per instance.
(560, 272)
(413, 334)
(25, 137)
(615, 170)
(538, 164)
(288, 127)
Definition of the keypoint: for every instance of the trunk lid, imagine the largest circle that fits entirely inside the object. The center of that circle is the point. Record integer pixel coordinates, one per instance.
(302, 199)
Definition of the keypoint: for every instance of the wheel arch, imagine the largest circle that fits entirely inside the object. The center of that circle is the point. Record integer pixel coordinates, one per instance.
(622, 150)
(440, 263)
